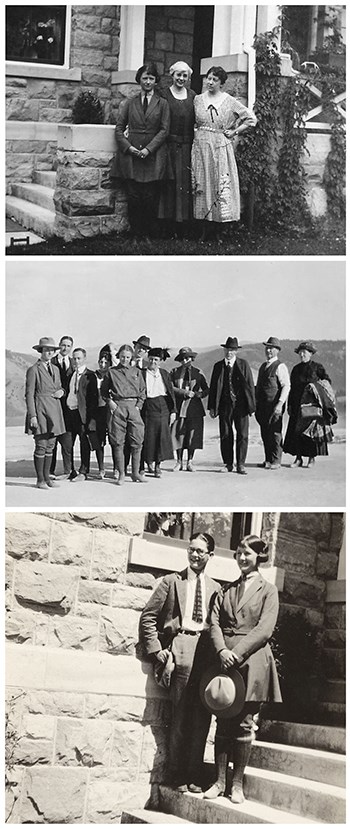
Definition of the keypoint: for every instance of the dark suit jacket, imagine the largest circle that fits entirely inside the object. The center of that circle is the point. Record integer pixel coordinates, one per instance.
(245, 626)
(65, 376)
(198, 384)
(88, 399)
(217, 383)
(162, 617)
(144, 130)
(170, 398)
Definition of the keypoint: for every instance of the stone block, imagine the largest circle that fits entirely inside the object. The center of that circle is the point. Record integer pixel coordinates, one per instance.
(110, 26)
(56, 115)
(154, 752)
(334, 663)
(108, 797)
(84, 202)
(304, 592)
(88, 57)
(145, 580)
(83, 743)
(183, 26)
(88, 609)
(183, 43)
(111, 707)
(27, 536)
(35, 744)
(12, 794)
(22, 625)
(327, 565)
(77, 179)
(65, 99)
(164, 41)
(126, 748)
(38, 88)
(109, 555)
(91, 591)
(110, 64)
(21, 109)
(337, 531)
(313, 525)
(76, 228)
(131, 597)
(335, 617)
(53, 795)
(54, 703)
(52, 586)
(21, 83)
(9, 571)
(119, 631)
(87, 22)
(93, 40)
(296, 554)
(117, 223)
(73, 632)
(95, 76)
(334, 638)
(71, 545)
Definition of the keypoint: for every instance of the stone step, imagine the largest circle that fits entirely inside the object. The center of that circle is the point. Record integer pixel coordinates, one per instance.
(31, 216)
(147, 816)
(323, 737)
(308, 763)
(35, 193)
(307, 798)
(193, 808)
(45, 177)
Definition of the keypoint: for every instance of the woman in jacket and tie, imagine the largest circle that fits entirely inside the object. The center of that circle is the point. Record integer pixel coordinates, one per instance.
(190, 387)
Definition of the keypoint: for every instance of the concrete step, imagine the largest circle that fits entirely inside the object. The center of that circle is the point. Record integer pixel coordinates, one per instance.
(147, 816)
(31, 216)
(323, 737)
(307, 798)
(308, 763)
(193, 808)
(45, 177)
(35, 193)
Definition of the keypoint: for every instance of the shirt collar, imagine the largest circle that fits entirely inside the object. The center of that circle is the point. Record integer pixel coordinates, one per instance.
(191, 575)
(81, 369)
(230, 362)
(272, 360)
(250, 576)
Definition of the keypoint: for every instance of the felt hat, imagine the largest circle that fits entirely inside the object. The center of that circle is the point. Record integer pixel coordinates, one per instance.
(306, 345)
(186, 351)
(105, 351)
(45, 342)
(273, 342)
(256, 545)
(231, 342)
(162, 353)
(145, 342)
(222, 692)
(162, 672)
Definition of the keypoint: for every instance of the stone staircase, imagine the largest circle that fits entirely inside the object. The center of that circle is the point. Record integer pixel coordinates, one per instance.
(296, 775)
(31, 204)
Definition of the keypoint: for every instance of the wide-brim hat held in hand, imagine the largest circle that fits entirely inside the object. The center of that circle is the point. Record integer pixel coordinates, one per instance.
(231, 342)
(222, 692)
(45, 342)
(162, 672)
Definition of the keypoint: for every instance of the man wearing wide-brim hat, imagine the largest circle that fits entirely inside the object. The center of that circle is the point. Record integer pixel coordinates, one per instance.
(141, 348)
(232, 397)
(272, 390)
(44, 418)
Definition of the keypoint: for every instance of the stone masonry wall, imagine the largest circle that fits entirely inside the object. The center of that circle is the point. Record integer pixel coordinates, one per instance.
(87, 740)
(169, 35)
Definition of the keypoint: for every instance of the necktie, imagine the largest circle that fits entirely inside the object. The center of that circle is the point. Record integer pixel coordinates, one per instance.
(50, 370)
(76, 380)
(230, 384)
(145, 104)
(186, 380)
(197, 614)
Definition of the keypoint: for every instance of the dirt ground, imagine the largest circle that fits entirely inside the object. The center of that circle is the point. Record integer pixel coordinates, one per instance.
(321, 485)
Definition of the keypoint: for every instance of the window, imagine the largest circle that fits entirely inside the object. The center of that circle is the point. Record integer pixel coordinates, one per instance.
(36, 34)
(226, 527)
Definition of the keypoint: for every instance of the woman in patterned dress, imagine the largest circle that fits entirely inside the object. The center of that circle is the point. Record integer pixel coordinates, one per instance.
(219, 121)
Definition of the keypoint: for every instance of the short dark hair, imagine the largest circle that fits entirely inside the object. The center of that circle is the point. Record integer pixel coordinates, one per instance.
(150, 68)
(207, 538)
(219, 72)
(80, 349)
(66, 337)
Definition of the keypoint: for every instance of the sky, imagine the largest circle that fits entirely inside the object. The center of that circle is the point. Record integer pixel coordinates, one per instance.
(175, 303)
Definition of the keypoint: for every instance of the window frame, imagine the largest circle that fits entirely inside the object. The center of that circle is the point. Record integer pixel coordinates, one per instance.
(24, 64)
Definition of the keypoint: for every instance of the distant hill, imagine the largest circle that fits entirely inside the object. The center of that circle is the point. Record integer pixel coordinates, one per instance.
(331, 353)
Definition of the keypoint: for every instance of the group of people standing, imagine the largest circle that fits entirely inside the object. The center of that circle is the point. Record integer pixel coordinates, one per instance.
(149, 413)
(176, 150)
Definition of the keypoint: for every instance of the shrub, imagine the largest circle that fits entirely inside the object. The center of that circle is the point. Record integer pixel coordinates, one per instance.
(87, 109)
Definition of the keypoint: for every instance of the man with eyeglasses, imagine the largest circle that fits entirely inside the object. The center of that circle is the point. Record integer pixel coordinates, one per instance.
(176, 621)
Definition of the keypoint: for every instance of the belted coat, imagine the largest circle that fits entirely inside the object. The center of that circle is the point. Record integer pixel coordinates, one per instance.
(40, 400)
(144, 130)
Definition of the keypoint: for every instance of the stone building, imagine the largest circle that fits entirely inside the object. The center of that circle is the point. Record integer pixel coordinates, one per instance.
(87, 726)
(58, 174)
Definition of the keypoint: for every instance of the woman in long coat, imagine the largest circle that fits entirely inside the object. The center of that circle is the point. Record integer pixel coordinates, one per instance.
(219, 121)
(242, 622)
(190, 387)
(156, 411)
(311, 408)
(141, 130)
(176, 191)
(44, 418)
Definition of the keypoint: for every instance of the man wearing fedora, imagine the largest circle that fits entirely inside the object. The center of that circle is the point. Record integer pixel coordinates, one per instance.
(44, 419)
(176, 621)
(82, 401)
(141, 348)
(272, 390)
(232, 397)
(64, 363)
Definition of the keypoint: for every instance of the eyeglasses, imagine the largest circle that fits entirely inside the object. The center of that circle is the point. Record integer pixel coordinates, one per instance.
(199, 553)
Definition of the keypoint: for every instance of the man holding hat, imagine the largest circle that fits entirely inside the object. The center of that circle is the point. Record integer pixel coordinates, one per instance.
(176, 621)
(272, 390)
(232, 397)
(44, 419)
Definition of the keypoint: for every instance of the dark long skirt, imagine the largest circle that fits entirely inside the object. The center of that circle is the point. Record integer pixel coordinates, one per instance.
(176, 194)
(187, 433)
(157, 444)
(300, 445)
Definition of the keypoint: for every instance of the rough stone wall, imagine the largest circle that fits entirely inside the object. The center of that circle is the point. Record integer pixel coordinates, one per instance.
(77, 756)
(169, 35)
(24, 157)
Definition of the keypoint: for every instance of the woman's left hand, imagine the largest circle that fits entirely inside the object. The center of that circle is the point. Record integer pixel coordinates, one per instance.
(227, 658)
(143, 153)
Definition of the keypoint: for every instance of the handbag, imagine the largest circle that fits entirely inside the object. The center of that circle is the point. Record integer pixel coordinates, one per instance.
(309, 410)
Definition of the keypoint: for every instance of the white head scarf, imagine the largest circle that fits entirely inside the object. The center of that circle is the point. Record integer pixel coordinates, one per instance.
(180, 66)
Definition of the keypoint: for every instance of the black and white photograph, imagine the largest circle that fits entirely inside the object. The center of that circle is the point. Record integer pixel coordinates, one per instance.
(135, 699)
(133, 386)
(175, 130)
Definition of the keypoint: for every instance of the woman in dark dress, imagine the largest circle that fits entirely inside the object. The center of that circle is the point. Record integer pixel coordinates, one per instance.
(311, 408)
(156, 411)
(176, 196)
(104, 363)
(190, 387)
(242, 622)
(141, 130)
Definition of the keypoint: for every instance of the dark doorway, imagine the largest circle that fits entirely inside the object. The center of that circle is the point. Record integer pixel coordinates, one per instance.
(202, 41)
(296, 22)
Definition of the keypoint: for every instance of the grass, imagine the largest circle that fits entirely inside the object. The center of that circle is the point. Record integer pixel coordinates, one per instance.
(322, 238)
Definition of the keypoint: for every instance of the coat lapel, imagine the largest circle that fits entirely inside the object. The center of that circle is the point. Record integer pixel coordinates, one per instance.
(47, 379)
(151, 106)
(256, 584)
(180, 587)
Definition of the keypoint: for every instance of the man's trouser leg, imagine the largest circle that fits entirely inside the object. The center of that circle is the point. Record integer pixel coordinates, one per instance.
(226, 434)
(242, 430)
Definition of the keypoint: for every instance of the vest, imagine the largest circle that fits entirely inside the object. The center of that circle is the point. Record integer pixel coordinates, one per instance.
(268, 387)
(231, 394)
